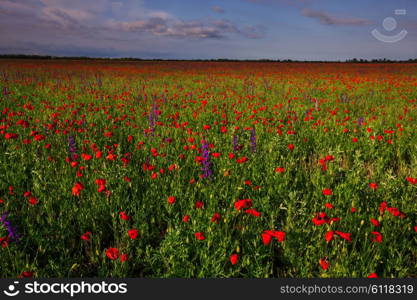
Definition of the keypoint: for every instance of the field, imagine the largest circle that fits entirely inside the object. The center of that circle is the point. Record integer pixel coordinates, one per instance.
(207, 169)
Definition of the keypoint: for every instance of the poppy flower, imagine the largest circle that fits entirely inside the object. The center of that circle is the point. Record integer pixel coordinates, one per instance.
(268, 234)
(33, 200)
(279, 170)
(329, 236)
(374, 222)
(327, 192)
(133, 233)
(124, 216)
(320, 219)
(78, 187)
(344, 235)
(329, 206)
(199, 204)
(412, 180)
(373, 185)
(124, 257)
(373, 275)
(324, 264)
(234, 258)
(266, 238)
(291, 147)
(26, 274)
(171, 199)
(215, 218)
(86, 236)
(244, 203)
(377, 237)
(200, 236)
(253, 212)
(86, 156)
(186, 218)
(112, 253)
(242, 160)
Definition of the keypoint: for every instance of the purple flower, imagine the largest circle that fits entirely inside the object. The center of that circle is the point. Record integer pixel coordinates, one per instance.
(207, 171)
(13, 234)
(5, 92)
(360, 121)
(235, 143)
(72, 147)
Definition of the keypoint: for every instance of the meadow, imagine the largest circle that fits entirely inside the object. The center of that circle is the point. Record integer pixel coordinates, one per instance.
(207, 169)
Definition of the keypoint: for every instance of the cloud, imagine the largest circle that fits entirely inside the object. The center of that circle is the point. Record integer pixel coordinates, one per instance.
(82, 17)
(217, 9)
(328, 19)
(173, 27)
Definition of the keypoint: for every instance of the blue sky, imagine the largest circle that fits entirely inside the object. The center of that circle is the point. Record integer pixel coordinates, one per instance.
(193, 29)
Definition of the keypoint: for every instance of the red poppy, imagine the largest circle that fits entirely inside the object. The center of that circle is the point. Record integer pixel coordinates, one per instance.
(329, 206)
(124, 216)
(242, 160)
(373, 275)
(215, 218)
(253, 212)
(171, 199)
(266, 238)
(25, 274)
(78, 187)
(33, 200)
(324, 264)
(377, 237)
(124, 257)
(344, 235)
(199, 204)
(327, 192)
(86, 236)
(268, 234)
(245, 203)
(112, 253)
(234, 258)
(291, 147)
(412, 180)
(186, 218)
(373, 185)
(329, 236)
(86, 156)
(280, 170)
(374, 222)
(199, 236)
(133, 233)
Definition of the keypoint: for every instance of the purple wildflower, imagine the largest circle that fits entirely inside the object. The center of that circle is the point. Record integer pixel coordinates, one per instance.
(72, 147)
(207, 171)
(360, 121)
(253, 140)
(235, 143)
(5, 92)
(13, 234)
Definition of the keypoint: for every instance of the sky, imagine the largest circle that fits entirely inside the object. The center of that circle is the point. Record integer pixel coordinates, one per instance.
(211, 29)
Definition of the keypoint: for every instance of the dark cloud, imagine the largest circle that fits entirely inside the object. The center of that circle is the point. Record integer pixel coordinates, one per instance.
(328, 19)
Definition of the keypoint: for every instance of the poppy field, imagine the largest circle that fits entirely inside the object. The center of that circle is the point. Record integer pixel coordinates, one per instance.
(207, 169)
